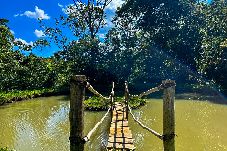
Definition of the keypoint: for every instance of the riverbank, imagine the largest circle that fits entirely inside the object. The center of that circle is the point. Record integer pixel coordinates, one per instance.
(13, 96)
(211, 96)
(98, 104)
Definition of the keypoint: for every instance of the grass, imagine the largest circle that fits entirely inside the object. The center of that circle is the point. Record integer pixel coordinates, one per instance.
(11, 96)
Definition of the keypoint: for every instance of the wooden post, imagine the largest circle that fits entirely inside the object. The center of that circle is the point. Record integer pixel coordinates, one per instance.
(112, 100)
(168, 115)
(126, 98)
(77, 95)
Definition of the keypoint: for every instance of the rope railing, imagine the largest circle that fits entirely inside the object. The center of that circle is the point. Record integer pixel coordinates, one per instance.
(90, 87)
(127, 97)
(145, 127)
(152, 90)
(77, 95)
(112, 99)
(87, 138)
(155, 89)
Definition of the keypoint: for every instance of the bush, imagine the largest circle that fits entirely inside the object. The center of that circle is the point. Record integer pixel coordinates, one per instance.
(96, 104)
(5, 149)
(136, 102)
(9, 97)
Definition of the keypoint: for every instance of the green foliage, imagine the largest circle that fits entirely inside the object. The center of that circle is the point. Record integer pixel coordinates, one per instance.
(136, 102)
(6, 37)
(5, 149)
(151, 41)
(9, 97)
(181, 40)
(96, 104)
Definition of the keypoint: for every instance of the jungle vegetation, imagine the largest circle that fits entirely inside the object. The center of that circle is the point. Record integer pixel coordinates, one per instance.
(183, 40)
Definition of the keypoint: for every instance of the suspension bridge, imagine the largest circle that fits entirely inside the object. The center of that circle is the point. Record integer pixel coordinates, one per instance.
(120, 136)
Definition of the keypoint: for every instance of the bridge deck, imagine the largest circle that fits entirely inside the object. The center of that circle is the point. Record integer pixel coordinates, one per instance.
(120, 136)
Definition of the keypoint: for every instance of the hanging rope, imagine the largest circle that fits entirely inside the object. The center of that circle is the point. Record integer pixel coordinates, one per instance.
(145, 127)
(155, 89)
(95, 92)
(87, 138)
(149, 92)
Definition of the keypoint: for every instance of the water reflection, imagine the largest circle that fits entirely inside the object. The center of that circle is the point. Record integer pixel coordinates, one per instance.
(42, 124)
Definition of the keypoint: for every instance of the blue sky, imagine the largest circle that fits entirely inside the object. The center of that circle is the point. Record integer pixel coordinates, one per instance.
(23, 18)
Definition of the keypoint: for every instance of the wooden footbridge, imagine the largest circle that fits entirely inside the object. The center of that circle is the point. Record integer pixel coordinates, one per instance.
(120, 136)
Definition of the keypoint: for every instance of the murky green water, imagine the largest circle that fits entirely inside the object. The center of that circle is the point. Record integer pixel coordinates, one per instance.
(42, 125)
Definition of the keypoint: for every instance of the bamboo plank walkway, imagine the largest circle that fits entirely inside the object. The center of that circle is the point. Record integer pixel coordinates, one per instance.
(120, 136)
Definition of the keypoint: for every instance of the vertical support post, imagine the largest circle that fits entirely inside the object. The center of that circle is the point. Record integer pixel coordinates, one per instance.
(169, 115)
(112, 100)
(126, 98)
(77, 96)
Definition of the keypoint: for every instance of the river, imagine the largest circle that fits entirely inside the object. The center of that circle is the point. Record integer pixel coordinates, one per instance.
(42, 124)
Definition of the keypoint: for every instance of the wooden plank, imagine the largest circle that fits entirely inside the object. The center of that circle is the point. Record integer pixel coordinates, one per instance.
(125, 132)
(119, 119)
(119, 113)
(120, 130)
(121, 140)
(121, 122)
(121, 146)
(120, 135)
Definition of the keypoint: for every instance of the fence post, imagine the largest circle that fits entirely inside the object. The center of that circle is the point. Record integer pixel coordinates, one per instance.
(168, 115)
(77, 95)
(112, 100)
(126, 98)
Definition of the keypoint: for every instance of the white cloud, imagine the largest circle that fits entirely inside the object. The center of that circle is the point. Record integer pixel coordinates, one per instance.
(12, 32)
(60, 5)
(102, 36)
(38, 14)
(115, 4)
(109, 22)
(24, 41)
(63, 8)
(39, 33)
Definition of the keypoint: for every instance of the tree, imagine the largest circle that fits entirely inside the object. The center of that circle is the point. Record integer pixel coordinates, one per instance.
(6, 37)
(84, 20)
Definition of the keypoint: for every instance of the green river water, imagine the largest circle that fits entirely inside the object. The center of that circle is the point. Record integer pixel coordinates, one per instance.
(42, 125)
